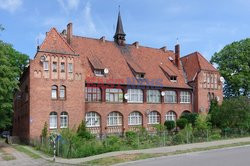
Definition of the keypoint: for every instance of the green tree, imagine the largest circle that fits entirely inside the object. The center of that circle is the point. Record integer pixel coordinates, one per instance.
(170, 125)
(233, 63)
(12, 65)
(181, 123)
(190, 117)
(82, 131)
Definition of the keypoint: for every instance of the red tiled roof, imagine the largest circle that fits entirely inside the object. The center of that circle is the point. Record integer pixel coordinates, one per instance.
(95, 62)
(116, 59)
(193, 63)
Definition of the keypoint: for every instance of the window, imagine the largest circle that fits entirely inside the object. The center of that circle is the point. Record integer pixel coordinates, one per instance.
(114, 95)
(185, 112)
(92, 94)
(139, 75)
(153, 117)
(53, 120)
(62, 93)
(153, 96)
(135, 96)
(114, 119)
(62, 67)
(135, 118)
(45, 65)
(171, 115)
(208, 78)
(64, 120)
(70, 68)
(54, 92)
(185, 97)
(173, 78)
(170, 97)
(54, 67)
(92, 119)
(99, 72)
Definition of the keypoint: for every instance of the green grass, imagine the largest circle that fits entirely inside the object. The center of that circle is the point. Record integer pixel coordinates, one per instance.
(140, 156)
(5, 156)
(21, 148)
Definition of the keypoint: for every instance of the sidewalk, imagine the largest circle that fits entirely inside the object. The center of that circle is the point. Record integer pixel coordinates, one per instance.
(166, 149)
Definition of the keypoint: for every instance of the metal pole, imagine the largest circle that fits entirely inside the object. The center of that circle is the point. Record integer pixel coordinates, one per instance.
(54, 157)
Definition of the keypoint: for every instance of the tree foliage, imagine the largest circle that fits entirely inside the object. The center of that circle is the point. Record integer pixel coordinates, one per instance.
(234, 65)
(12, 64)
(233, 113)
(170, 125)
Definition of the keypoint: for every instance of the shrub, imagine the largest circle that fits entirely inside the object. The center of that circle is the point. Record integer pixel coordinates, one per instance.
(45, 130)
(112, 143)
(82, 132)
(159, 128)
(131, 138)
(190, 117)
(169, 124)
(181, 123)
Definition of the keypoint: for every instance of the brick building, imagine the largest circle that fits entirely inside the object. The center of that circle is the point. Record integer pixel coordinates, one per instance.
(112, 85)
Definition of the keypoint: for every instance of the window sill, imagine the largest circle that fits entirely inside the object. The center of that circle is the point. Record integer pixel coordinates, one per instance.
(153, 102)
(185, 102)
(53, 128)
(170, 102)
(63, 127)
(133, 102)
(93, 101)
(93, 126)
(118, 125)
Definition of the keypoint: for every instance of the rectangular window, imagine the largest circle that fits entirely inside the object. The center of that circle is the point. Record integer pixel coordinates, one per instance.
(54, 94)
(54, 67)
(208, 78)
(45, 65)
(70, 68)
(153, 96)
(135, 96)
(170, 97)
(173, 78)
(92, 94)
(114, 95)
(99, 72)
(185, 97)
(62, 67)
(53, 121)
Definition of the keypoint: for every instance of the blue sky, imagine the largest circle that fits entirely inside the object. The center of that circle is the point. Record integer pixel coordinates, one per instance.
(199, 25)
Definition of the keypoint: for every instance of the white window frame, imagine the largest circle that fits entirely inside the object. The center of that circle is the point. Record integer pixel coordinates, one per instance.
(153, 96)
(135, 96)
(114, 95)
(62, 92)
(54, 66)
(46, 65)
(64, 120)
(185, 97)
(53, 120)
(171, 116)
(92, 119)
(54, 92)
(70, 67)
(62, 67)
(154, 117)
(170, 94)
(135, 118)
(114, 119)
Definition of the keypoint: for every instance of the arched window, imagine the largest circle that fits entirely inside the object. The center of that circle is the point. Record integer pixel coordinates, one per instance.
(135, 96)
(153, 96)
(153, 117)
(171, 115)
(92, 119)
(185, 97)
(64, 120)
(54, 92)
(53, 120)
(92, 94)
(170, 97)
(62, 94)
(114, 119)
(135, 118)
(185, 112)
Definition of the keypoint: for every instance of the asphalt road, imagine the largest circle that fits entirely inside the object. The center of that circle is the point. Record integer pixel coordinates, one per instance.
(237, 156)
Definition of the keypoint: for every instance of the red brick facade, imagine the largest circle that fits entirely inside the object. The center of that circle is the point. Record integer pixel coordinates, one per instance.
(34, 104)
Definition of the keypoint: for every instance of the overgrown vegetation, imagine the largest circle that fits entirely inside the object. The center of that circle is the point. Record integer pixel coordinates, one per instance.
(231, 119)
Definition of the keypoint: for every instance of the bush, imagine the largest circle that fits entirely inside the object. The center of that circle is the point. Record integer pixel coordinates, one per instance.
(112, 143)
(170, 125)
(181, 123)
(82, 132)
(131, 138)
(190, 117)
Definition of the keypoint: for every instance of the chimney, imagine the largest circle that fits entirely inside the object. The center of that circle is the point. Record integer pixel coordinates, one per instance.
(136, 44)
(69, 33)
(102, 39)
(177, 56)
(164, 48)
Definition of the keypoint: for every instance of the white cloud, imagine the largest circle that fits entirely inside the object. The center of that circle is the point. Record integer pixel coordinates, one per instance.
(68, 5)
(10, 5)
(86, 24)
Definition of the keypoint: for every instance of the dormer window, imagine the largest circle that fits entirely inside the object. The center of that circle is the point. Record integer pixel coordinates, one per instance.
(139, 75)
(99, 72)
(173, 78)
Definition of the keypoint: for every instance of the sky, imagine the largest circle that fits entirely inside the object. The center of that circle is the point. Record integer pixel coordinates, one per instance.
(197, 25)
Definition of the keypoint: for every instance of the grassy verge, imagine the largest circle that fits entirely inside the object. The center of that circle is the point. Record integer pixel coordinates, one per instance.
(140, 156)
(21, 148)
(6, 156)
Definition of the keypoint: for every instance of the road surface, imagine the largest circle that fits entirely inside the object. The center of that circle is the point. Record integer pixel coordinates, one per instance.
(237, 156)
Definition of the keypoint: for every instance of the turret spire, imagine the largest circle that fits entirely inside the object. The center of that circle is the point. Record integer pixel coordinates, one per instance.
(119, 34)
